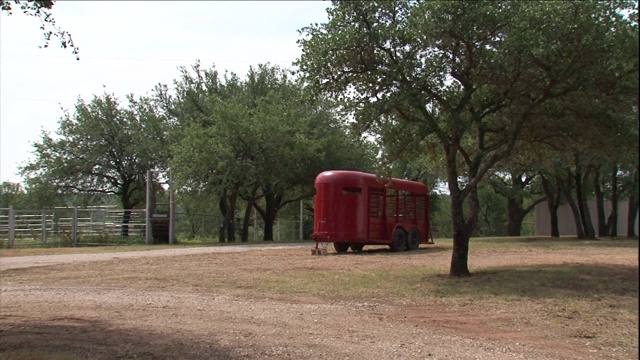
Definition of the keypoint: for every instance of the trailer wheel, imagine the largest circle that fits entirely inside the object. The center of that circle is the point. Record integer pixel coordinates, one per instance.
(341, 247)
(413, 242)
(356, 247)
(399, 240)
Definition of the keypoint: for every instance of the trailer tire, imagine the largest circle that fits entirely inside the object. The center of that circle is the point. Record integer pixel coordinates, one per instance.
(356, 247)
(399, 240)
(341, 247)
(413, 241)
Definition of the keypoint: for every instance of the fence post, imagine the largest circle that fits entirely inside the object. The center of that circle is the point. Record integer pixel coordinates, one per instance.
(172, 220)
(148, 239)
(43, 218)
(12, 226)
(278, 228)
(74, 227)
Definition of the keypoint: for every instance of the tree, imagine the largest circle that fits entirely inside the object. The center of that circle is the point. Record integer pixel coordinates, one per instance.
(261, 139)
(12, 194)
(475, 76)
(42, 9)
(102, 148)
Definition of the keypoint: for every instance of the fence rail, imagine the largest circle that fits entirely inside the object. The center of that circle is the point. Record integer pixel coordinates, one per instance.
(112, 226)
(70, 226)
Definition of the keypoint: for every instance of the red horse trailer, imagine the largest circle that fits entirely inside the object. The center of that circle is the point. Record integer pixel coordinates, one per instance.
(354, 209)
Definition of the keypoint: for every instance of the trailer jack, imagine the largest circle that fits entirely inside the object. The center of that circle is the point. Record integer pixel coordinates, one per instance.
(319, 250)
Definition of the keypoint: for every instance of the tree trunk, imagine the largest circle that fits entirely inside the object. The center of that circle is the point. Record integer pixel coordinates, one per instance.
(460, 255)
(230, 217)
(126, 213)
(269, 218)
(268, 230)
(555, 224)
(574, 208)
(631, 218)
(244, 236)
(581, 193)
(612, 223)
(516, 216)
(222, 233)
(461, 230)
(126, 218)
(603, 227)
(634, 205)
(553, 203)
(515, 205)
(273, 202)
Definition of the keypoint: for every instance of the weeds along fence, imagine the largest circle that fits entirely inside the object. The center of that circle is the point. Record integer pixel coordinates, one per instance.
(71, 227)
(205, 228)
(93, 226)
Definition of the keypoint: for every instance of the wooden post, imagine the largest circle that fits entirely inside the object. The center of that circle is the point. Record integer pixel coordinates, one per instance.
(172, 212)
(74, 227)
(148, 239)
(12, 227)
(43, 219)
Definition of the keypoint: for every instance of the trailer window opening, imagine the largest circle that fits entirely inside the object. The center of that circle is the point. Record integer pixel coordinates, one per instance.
(351, 190)
(392, 205)
(421, 207)
(407, 205)
(376, 205)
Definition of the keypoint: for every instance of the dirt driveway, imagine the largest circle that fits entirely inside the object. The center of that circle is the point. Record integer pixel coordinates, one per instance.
(163, 304)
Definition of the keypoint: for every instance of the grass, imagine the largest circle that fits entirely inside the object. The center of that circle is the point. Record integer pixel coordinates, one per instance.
(440, 244)
(550, 243)
(562, 282)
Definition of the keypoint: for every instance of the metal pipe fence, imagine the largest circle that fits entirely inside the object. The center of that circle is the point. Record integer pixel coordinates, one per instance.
(71, 227)
(92, 226)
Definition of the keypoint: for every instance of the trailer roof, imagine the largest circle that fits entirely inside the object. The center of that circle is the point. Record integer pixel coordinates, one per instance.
(357, 178)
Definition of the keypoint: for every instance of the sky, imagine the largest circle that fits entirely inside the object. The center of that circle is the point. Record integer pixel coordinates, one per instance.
(128, 48)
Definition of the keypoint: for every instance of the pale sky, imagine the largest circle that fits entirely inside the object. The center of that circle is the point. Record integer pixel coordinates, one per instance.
(129, 47)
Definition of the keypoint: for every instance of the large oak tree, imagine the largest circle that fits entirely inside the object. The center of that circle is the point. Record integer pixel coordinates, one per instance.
(473, 77)
(260, 139)
(103, 148)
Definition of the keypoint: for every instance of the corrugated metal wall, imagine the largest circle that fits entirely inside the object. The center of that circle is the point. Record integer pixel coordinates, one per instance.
(566, 221)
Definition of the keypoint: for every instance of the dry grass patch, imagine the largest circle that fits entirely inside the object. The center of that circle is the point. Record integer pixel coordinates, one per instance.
(583, 293)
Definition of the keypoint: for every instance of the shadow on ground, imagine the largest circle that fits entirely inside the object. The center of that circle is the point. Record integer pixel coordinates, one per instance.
(76, 338)
(381, 249)
(562, 241)
(545, 281)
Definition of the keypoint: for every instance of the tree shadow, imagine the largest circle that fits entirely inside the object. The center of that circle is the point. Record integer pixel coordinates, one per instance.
(78, 338)
(546, 281)
(571, 241)
(381, 249)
